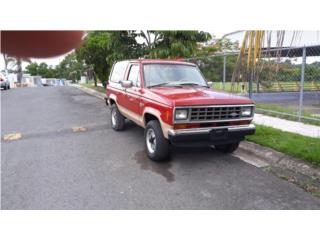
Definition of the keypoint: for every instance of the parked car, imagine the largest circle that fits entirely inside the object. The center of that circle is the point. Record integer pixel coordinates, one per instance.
(176, 106)
(4, 83)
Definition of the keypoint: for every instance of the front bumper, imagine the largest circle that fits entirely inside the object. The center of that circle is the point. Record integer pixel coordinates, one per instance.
(209, 136)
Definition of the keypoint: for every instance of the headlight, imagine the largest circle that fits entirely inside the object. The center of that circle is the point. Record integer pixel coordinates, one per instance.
(246, 111)
(181, 114)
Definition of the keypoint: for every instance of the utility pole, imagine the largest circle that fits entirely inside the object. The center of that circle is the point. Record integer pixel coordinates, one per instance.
(224, 71)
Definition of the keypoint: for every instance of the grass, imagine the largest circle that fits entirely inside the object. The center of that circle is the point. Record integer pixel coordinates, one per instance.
(286, 87)
(295, 145)
(90, 85)
(266, 106)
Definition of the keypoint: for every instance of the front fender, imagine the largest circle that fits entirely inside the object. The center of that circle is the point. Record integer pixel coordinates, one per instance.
(164, 126)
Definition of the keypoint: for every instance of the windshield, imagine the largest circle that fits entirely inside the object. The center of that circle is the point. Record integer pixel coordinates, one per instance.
(172, 75)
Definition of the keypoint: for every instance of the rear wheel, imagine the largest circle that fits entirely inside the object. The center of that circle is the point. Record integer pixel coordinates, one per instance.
(157, 146)
(227, 148)
(117, 120)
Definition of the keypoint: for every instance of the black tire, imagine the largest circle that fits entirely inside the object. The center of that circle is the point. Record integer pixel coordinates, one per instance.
(227, 148)
(117, 120)
(161, 147)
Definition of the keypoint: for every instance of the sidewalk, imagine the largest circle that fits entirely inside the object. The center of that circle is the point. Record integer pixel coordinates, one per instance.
(288, 126)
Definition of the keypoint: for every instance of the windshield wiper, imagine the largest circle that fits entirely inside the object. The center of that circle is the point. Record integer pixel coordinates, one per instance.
(176, 84)
(159, 85)
(168, 84)
(193, 84)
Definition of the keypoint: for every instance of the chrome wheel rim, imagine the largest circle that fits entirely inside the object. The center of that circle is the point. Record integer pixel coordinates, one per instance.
(113, 118)
(151, 140)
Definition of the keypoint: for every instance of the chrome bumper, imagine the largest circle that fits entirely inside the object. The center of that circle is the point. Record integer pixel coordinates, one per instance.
(195, 131)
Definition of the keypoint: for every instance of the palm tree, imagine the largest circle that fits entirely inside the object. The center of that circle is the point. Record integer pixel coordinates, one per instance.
(7, 60)
(255, 46)
(17, 64)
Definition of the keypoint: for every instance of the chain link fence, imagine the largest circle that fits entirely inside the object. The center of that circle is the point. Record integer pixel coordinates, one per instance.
(287, 83)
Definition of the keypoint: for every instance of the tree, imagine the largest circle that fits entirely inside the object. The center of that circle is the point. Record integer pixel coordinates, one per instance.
(17, 64)
(7, 60)
(89, 72)
(173, 44)
(94, 51)
(42, 69)
(102, 48)
(212, 65)
(70, 64)
(32, 69)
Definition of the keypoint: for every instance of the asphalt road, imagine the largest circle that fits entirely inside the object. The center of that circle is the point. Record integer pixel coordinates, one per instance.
(52, 167)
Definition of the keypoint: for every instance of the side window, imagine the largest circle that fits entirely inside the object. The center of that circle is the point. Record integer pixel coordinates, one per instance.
(118, 71)
(134, 75)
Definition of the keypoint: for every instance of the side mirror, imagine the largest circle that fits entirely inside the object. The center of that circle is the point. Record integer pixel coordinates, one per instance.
(210, 84)
(126, 84)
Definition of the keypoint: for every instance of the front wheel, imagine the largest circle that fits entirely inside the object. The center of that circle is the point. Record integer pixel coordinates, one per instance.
(227, 148)
(157, 146)
(117, 120)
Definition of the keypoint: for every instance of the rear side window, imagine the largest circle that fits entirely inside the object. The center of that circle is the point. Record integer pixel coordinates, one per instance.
(134, 75)
(118, 72)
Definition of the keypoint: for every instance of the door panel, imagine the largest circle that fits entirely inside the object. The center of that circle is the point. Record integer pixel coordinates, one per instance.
(133, 94)
(118, 74)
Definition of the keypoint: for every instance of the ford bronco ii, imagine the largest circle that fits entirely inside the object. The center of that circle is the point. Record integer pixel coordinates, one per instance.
(176, 106)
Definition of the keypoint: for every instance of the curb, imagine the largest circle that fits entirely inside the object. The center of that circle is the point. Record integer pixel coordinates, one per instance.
(253, 153)
(90, 91)
(260, 156)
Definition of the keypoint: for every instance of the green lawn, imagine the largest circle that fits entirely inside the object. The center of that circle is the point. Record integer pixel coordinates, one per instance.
(292, 144)
(276, 108)
(90, 85)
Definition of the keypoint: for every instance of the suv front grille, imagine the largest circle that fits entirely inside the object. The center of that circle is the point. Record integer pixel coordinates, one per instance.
(214, 113)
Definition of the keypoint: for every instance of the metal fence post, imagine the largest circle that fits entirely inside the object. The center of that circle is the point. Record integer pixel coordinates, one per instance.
(224, 72)
(250, 84)
(304, 56)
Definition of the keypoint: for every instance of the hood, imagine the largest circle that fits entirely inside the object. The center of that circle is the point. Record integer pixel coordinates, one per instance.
(183, 96)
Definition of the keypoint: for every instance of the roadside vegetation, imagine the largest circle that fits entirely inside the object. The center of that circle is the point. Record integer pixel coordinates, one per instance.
(295, 145)
(91, 85)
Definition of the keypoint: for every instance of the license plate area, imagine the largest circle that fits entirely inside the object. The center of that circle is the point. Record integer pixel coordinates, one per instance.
(219, 134)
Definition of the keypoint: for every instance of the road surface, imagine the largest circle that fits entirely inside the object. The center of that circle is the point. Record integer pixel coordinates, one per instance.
(52, 167)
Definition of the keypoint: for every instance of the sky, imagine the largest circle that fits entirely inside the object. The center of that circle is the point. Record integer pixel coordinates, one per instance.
(307, 38)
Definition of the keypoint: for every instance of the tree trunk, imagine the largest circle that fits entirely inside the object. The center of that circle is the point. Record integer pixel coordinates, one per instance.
(95, 80)
(19, 70)
(5, 64)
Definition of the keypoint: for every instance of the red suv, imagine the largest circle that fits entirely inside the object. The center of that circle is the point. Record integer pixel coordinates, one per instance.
(176, 106)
